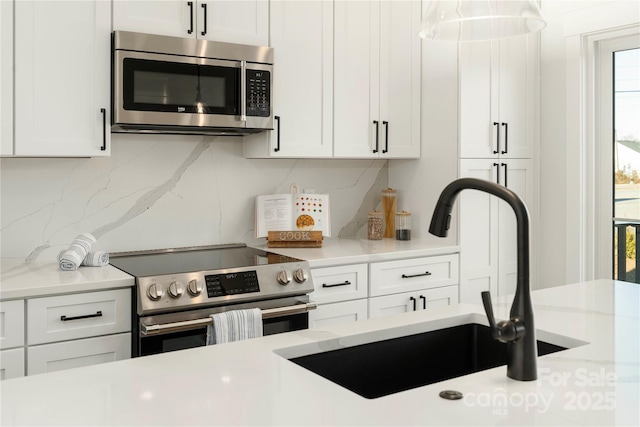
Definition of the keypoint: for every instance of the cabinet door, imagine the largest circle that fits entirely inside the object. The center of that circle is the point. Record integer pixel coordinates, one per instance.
(302, 38)
(478, 232)
(340, 283)
(168, 17)
(6, 78)
(400, 79)
(74, 316)
(233, 21)
(438, 297)
(74, 354)
(11, 324)
(339, 312)
(62, 80)
(518, 103)
(518, 175)
(478, 69)
(357, 79)
(11, 363)
(392, 304)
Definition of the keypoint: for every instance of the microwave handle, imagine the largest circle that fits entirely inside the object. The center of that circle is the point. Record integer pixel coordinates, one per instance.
(243, 91)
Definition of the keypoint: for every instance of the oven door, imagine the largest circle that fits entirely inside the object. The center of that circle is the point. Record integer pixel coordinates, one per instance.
(179, 331)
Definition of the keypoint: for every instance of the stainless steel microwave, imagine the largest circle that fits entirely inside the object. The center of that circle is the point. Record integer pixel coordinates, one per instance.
(164, 84)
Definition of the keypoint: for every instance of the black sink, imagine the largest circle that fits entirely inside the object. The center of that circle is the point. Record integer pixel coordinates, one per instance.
(385, 367)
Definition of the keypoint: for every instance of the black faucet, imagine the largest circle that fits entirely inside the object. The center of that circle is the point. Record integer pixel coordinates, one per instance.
(519, 333)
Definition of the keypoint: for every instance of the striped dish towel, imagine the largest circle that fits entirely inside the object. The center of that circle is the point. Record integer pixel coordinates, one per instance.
(235, 325)
(76, 253)
(92, 259)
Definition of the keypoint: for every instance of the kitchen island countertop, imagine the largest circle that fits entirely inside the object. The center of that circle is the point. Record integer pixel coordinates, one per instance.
(596, 382)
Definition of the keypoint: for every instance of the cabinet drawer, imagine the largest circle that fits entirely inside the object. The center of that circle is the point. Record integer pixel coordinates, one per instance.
(75, 316)
(74, 354)
(11, 363)
(414, 274)
(11, 324)
(340, 283)
(339, 312)
(413, 301)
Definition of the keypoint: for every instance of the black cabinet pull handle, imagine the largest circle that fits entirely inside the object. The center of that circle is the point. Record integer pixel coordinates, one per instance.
(497, 166)
(505, 173)
(204, 6)
(506, 136)
(345, 283)
(375, 122)
(190, 4)
(386, 136)
(277, 119)
(413, 299)
(86, 316)
(104, 129)
(497, 125)
(408, 276)
(424, 302)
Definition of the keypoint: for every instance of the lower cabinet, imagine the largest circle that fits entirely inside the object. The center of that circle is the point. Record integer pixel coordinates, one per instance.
(339, 312)
(74, 354)
(413, 301)
(11, 363)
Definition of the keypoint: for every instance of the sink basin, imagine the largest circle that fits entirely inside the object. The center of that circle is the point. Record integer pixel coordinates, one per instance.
(380, 368)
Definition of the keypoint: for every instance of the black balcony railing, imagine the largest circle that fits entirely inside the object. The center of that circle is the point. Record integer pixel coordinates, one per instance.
(626, 251)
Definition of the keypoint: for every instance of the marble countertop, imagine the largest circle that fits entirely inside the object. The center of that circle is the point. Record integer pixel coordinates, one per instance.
(595, 382)
(352, 251)
(20, 280)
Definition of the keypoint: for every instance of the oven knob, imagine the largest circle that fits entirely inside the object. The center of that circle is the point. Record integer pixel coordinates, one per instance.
(155, 292)
(300, 275)
(176, 289)
(284, 277)
(195, 288)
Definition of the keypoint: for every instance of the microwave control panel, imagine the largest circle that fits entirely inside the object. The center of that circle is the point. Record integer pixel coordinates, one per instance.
(258, 93)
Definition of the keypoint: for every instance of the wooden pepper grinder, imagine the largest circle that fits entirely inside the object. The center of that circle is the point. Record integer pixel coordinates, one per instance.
(389, 211)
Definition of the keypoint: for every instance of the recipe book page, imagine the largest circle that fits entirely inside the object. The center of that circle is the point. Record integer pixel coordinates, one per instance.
(290, 212)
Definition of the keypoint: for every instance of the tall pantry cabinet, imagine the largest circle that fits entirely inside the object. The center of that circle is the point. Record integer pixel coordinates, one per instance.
(499, 122)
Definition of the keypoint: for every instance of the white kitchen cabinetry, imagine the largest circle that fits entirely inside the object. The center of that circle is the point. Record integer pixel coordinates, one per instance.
(346, 77)
(62, 78)
(11, 339)
(412, 284)
(499, 98)
(377, 79)
(341, 294)
(488, 227)
(78, 330)
(413, 301)
(301, 34)
(232, 21)
(6, 78)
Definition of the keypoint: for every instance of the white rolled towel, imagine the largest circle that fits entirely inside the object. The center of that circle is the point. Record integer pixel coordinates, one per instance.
(93, 259)
(80, 247)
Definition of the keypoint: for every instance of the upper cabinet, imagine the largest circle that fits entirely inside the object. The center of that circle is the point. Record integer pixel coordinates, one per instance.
(377, 79)
(6, 78)
(302, 40)
(233, 21)
(62, 81)
(498, 98)
(346, 80)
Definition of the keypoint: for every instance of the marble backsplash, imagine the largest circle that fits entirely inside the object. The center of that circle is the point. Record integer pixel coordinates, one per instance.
(161, 191)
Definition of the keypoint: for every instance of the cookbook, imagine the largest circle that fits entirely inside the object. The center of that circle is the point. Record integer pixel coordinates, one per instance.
(292, 212)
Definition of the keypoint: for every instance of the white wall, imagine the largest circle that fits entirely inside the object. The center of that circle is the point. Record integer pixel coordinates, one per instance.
(166, 191)
(419, 182)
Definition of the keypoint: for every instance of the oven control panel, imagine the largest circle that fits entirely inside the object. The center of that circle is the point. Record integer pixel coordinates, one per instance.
(187, 291)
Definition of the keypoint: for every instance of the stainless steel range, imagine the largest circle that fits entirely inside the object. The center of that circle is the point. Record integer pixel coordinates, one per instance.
(178, 290)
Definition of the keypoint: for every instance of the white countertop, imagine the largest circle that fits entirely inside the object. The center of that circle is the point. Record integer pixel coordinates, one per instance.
(351, 251)
(246, 383)
(20, 280)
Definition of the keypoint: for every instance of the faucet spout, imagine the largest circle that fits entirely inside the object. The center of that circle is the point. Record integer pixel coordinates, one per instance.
(519, 332)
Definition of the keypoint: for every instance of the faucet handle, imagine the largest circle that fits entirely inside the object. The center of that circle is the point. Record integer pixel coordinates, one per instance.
(505, 330)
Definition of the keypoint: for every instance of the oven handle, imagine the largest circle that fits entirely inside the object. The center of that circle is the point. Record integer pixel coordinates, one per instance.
(190, 324)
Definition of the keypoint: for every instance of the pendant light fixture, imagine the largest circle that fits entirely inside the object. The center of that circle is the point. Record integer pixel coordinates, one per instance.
(477, 20)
